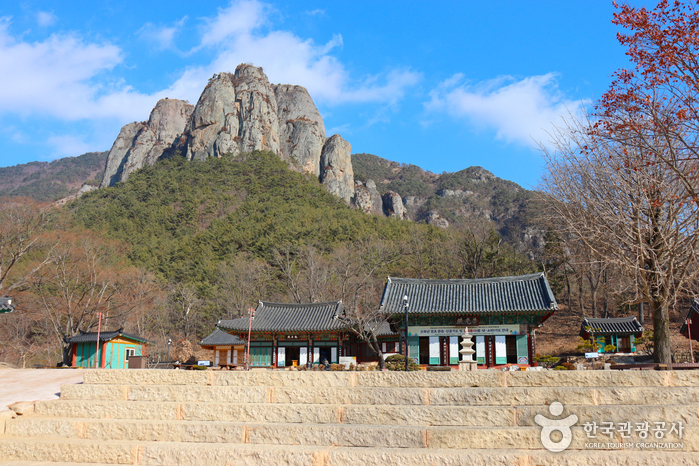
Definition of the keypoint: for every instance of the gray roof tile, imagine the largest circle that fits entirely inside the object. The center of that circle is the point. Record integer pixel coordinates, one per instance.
(221, 338)
(6, 305)
(524, 293)
(279, 317)
(84, 337)
(615, 326)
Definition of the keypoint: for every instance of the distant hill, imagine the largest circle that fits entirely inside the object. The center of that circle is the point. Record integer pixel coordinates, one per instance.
(461, 198)
(50, 181)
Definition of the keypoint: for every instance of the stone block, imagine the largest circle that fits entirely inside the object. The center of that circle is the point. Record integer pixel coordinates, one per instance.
(22, 407)
(95, 409)
(429, 415)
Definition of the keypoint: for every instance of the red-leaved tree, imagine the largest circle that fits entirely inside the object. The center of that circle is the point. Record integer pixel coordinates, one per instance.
(652, 108)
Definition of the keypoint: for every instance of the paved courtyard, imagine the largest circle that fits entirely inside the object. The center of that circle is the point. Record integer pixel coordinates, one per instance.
(34, 384)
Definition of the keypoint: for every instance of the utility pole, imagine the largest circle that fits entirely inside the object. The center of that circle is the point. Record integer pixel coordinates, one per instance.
(97, 347)
(251, 311)
(405, 305)
(688, 322)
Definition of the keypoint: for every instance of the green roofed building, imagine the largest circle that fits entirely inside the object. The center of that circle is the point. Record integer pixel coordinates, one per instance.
(502, 313)
(619, 332)
(116, 347)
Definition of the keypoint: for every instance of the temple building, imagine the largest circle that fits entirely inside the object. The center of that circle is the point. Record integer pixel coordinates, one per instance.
(603, 333)
(502, 313)
(292, 334)
(227, 349)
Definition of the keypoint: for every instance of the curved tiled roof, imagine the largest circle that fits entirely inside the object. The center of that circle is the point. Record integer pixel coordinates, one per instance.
(84, 337)
(279, 317)
(524, 293)
(6, 305)
(616, 326)
(221, 338)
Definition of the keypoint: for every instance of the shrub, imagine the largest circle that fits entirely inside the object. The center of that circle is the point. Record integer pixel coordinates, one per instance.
(547, 361)
(560, 368)
(396, 362)
(585, 346)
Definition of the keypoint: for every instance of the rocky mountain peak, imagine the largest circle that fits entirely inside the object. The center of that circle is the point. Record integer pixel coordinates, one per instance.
(237, 113)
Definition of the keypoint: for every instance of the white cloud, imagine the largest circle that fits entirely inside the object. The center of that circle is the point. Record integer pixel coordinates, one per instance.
(66, 77)
(52, 77)
(236, 33)
(520, 111)
(316, 12)
(46, 18)
(239, 18)
(163, 37)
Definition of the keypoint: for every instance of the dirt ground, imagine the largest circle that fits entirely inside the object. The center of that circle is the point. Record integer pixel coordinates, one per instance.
(34, 384)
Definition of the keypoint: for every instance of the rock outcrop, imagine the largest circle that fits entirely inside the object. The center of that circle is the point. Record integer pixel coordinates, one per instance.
(237, 113)
(140, 144)
(393, 205)
(367, 197)
(336, 168)
(433, 218)
(301, 128)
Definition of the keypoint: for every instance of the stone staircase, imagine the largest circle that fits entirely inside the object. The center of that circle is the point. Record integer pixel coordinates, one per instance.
(161, 417)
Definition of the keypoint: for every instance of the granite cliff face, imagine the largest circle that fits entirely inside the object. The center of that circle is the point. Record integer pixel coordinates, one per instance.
(301, 128)
(237, 113)
(336, 168)
(140, 144)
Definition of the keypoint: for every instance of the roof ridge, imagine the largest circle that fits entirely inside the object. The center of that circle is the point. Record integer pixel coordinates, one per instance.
(509, 278)
(324, 303)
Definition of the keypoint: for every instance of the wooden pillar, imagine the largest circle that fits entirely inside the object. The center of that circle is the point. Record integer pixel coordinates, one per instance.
(275, 348)
(75, 355)
(310, 349)
(532, 347)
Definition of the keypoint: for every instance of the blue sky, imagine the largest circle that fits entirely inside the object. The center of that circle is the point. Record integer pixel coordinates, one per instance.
(443, 85)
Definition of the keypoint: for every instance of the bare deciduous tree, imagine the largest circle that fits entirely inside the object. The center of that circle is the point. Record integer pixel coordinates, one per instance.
(185, 305)
(85, 276)
(639, 217)
(242, 282)
(360, 268)
(22, 226)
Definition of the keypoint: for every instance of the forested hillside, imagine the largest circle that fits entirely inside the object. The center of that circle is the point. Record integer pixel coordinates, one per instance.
(462, 198)
(50, 181)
